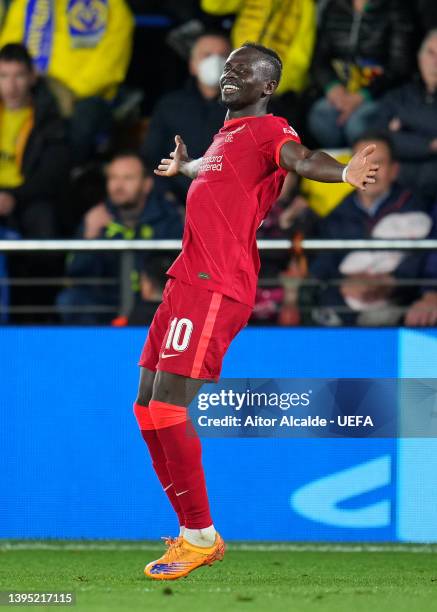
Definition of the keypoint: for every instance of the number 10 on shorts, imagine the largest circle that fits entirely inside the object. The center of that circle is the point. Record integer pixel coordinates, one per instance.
(179, 334)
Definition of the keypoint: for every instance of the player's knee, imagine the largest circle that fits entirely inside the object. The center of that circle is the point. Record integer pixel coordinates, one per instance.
(143, 417)
(137, 407)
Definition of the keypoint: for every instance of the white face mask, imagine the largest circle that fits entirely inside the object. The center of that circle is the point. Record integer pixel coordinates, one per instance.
(210, 70)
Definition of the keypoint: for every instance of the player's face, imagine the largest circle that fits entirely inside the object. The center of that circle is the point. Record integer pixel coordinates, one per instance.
(125, 181)
(16, 81)
(245, 79)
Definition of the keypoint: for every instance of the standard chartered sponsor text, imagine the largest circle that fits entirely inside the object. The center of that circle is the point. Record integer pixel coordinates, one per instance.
(213, 163)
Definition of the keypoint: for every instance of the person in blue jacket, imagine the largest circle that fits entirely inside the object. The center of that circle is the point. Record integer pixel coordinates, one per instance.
(134, 209)
(423, 311)
(409, 113)
(355, 218)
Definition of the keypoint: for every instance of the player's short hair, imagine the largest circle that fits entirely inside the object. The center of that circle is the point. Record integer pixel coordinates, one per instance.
(379, 136)
(270, 56)
(16, 52)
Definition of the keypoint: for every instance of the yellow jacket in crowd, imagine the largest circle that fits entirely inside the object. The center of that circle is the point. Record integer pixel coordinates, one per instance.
(85, 44)
(287, 26)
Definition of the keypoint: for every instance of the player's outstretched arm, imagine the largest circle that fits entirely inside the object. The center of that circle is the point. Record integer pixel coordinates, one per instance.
(320, 166)
(179, 162)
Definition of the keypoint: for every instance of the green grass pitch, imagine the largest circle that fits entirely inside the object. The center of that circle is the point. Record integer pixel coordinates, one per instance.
(253, 578)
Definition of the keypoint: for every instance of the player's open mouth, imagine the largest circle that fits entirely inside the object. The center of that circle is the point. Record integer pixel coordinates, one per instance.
(228, 89)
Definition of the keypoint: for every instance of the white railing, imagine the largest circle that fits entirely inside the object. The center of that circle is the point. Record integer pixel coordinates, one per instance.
(17, 246)
(126, 248)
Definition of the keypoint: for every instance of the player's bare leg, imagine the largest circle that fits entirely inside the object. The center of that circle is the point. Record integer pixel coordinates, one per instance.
(200, 544)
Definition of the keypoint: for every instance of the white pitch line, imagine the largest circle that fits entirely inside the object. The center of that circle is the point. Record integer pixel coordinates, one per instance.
(10, 545)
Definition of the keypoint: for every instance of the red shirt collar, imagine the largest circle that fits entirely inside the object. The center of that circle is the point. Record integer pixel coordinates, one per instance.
(239, 119)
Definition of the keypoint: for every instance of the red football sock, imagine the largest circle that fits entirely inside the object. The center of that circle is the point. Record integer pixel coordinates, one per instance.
(184, 461)
(159, 460)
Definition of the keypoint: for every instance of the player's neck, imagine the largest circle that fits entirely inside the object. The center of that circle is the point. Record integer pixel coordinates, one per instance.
(253, 110)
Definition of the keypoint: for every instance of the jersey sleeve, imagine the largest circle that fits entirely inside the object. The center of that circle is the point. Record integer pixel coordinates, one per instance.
(276, 133)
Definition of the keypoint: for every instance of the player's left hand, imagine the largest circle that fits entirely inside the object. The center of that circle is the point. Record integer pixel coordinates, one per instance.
(173, 166)
(361, 170)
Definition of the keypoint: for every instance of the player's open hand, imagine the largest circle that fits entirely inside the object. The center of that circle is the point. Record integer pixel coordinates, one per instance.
(361, 171)
(172, 166)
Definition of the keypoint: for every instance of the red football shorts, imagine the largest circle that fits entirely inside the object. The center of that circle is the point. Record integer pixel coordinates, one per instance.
(192, 330)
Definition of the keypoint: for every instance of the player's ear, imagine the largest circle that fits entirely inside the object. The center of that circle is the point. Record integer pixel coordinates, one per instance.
(270, 88)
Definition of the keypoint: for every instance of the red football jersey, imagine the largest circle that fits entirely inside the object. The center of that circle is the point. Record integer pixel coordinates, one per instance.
(239, 181)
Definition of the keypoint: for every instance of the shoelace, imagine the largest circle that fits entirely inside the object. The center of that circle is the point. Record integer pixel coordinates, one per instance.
(174, 549)
(170, 541)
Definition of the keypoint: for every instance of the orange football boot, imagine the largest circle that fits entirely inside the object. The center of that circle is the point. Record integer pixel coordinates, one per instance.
(181, 558)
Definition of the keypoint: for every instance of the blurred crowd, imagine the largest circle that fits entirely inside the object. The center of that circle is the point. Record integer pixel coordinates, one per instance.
(92, 93)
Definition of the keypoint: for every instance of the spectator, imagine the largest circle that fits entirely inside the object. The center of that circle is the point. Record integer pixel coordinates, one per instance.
(290, 217)
(288, 27)
(410, 114)
(286, 216)
(33, 149)
(152, 280)
(5, 234)
(134, 209)
(423, 312)
(194, 112)
(369, 296)
(84, 50)
(290, 214)
(363, 48)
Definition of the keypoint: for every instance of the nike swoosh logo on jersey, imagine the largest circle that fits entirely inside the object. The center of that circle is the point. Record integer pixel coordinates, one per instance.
(238, 129)
(171, 355)
(230, 136)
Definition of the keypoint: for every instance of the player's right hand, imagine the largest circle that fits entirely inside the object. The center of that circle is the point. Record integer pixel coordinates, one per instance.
(172, 167)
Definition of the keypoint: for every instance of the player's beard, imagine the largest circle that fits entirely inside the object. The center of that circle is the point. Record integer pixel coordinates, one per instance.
(245, 99)
(234, 105)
